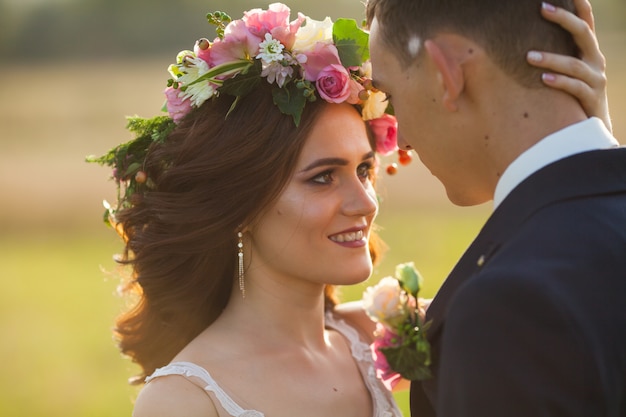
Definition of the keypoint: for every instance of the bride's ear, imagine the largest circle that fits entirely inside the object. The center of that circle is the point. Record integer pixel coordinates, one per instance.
(448, 65)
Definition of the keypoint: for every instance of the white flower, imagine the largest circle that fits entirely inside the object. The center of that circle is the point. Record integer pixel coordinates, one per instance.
(375, 106)
(386, 302)
(176, 69)
(275, 71)
(366, 69)
(311, 32)
(270, 50)
(199, 92)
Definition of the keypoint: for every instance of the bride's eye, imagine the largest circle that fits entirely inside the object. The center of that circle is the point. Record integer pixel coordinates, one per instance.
(325, 177)
(365, 170)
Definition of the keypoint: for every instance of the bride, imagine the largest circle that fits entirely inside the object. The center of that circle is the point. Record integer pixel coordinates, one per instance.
(242, 210)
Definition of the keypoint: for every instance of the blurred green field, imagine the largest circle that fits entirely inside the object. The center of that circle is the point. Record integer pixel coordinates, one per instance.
(56, 308)
(58, 301)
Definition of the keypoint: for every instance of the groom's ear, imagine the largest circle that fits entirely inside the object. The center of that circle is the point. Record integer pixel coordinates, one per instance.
(448, 52)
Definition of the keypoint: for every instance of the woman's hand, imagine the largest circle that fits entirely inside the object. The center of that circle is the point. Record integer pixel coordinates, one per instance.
(583, 77)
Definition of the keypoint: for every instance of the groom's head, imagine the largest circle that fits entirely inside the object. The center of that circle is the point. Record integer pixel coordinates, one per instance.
(463, 93)
(506, 29)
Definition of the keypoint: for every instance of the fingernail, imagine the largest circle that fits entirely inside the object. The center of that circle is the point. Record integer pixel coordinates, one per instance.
(548, 7)
(547, 77)
(534, 56)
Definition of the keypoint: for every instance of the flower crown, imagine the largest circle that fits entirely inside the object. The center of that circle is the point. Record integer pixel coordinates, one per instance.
(303, 59)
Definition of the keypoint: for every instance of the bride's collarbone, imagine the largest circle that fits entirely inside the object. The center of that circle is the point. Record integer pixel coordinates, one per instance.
(305, 393)
(291, 380)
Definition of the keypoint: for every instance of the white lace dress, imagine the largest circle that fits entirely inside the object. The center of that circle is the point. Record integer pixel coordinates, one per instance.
(382, 400)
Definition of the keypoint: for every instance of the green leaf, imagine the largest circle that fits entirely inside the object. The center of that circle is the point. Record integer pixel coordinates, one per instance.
(241, 84)
(351, 42)
(149, 127)
(132, 169)
(106, 218)
(223, 70)
(408, 362)
(290, 101)
(232, 106)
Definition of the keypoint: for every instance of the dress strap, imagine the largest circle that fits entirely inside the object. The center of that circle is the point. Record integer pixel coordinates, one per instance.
(382, 399)
(201, 377)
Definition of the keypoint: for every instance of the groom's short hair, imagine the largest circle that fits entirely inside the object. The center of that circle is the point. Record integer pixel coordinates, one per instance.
(506, 29)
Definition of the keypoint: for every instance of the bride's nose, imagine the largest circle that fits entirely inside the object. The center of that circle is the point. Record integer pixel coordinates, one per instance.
(360, 199)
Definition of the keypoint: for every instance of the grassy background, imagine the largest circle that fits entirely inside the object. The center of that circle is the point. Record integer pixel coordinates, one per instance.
(58, 297)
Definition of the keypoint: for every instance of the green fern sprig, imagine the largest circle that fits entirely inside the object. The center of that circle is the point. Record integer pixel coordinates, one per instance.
(127, 160)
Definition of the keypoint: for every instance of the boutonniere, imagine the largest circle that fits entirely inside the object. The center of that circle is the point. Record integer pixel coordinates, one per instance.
(400, 347)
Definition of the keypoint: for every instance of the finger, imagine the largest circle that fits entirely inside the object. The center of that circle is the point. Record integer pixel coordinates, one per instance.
(573, 86)
(580, 29)
(569, 66)
(557, 15)
(593, 103)
(585, 12)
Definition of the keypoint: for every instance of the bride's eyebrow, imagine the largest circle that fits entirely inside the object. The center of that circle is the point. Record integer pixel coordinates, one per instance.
(333, 161)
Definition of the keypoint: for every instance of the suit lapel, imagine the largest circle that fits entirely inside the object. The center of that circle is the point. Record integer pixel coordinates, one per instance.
(580, 175)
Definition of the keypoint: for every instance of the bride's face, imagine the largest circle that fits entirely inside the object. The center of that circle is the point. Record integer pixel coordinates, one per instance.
(317, 230)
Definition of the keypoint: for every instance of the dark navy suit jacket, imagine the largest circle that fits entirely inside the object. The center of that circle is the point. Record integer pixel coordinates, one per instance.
(532, 320)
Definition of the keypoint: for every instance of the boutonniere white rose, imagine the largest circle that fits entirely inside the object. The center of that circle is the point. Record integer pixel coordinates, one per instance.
(401, 348)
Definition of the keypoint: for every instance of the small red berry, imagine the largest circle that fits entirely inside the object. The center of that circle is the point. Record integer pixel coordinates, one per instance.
(141, 177)
(203, 44)
(404, 157)
(392, 168)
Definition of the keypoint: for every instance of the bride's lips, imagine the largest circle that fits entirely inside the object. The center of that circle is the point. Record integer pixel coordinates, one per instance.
(353, 238)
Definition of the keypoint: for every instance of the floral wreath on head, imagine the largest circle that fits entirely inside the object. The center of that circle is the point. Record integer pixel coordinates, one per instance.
(303, 59)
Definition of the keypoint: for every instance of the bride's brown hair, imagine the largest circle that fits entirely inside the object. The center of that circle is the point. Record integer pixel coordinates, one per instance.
(213, 174)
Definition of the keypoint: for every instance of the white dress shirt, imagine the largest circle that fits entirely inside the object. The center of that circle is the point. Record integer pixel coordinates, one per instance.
(588, 135)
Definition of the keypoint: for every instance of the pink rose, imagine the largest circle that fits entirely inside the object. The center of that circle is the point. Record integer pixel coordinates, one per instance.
(261, 21)
(385, 129)
(238, 43)
(322, 55)
(275, 21)
(287, 35)
(388, 376)
(355, 89)
(176, 106)
(333, 84)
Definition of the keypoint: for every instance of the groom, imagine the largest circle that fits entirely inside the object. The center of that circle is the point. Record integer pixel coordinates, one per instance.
(532, 320)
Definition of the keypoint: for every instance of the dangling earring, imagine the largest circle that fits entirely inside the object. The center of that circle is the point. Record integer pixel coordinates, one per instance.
(242, 286)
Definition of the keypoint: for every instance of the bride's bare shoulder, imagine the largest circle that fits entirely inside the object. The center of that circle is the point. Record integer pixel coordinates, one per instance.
(173, 396)
(352, 312)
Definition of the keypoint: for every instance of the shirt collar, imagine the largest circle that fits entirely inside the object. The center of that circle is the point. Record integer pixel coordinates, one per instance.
(588, 135)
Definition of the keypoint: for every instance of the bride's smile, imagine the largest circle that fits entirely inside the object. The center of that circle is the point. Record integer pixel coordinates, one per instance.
(358, 237)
